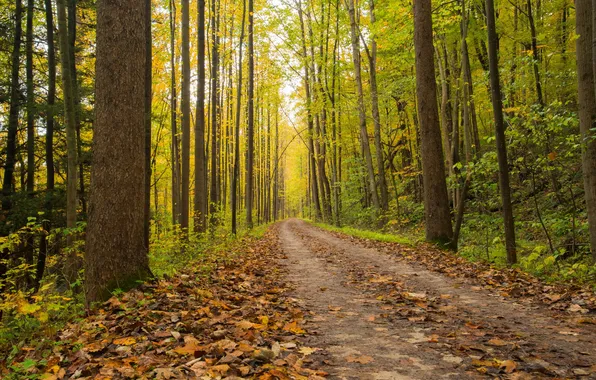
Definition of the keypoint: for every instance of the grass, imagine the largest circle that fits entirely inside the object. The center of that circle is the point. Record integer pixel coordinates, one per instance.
(368, 234)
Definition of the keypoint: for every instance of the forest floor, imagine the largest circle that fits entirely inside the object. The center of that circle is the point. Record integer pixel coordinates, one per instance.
(305, 303)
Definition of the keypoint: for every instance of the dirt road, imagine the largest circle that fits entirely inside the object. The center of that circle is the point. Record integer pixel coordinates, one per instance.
(374, 315)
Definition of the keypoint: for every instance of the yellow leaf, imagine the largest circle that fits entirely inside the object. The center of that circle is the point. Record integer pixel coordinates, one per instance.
(128, 341)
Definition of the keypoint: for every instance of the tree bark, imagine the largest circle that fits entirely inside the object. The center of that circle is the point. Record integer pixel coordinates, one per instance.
(251, 116)
(148, 98)
(495, 85)
(30, 101)
(49, 146)
(115, 254)
(214, 193)
(586, 73)
(185, 201)
(175, 154)
(436, 202)
(365, 146)
(200, 196)
(13, 113)
(236, 169)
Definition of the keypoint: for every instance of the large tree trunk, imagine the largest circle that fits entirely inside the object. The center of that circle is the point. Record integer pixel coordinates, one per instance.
(200, 196)
(365, 146)
(495, 85)
(13, 113)
(115, 254)
(586, 74)
(185, 201)
(236, 169)
(436, 202)
(251, 116)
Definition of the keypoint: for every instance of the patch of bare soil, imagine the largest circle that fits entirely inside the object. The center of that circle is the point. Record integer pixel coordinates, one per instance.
(375, 314)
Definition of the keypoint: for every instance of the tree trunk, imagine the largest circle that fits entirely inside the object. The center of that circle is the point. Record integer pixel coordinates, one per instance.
(236, 170)
(365, 146)
(13, 113)
(69, 111)
(185, 201)
(175, 154)
(214, 198)
(495, 84)
(200, 196)
(115, 253)
(436, 202)
(51, 96)
(586, 74)
(384, 200)
(148, 98)
(30, 101)
(251, 116)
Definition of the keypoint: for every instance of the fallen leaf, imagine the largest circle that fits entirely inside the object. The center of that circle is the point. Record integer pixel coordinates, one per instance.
(364, 359)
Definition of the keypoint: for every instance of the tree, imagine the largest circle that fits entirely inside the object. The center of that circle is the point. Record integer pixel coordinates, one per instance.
(586, 72)
(185, 201)
(115, 253)
(495, 86)
(13, 113)
(30, 101)
(436, 202)
(51, 96)
(71, 137)
(355, 34)
(214, 193)
(200, 196)
(251, 117)
(236, 168)
(148, 99)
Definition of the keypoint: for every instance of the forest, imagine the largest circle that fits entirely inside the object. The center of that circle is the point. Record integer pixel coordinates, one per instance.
(142, 138)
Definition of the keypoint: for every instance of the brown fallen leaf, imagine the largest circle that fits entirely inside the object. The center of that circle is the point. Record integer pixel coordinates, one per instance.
(508, 366)
(497, 342)
(128, 341)
(364, 359)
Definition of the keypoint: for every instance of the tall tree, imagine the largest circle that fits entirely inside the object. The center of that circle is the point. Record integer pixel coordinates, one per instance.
(251, 117)
(495, 86)
(355, 34)
(436, 202)
(13, 113)
(148, 98)
(51, 95)
(175, 148)
(236, 168)
(185, 201)
(200, 196)
(586, 72)
(372, 59)
(30, 100)
(115, 254)
(71, 137)
(214, 196)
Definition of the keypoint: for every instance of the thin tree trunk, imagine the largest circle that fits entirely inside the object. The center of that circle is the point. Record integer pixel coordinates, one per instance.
(495, 83)
(13, 113)
(251, 116)
(185, 202)
(214, 199)
(384, 200)
(372, 184)
(30, 101)
(200, 196)
(236, 170)
(51, 96)
(175, 155)
(148, 99)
